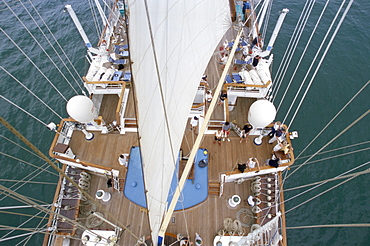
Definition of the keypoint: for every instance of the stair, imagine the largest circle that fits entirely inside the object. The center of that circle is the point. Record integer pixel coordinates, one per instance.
(213, 126)
(214, 188)
(130, 125)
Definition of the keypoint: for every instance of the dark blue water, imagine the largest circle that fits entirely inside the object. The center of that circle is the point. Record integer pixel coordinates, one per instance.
(344, 71)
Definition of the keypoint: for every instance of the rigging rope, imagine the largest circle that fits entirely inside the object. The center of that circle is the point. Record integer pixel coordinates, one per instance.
(302, 56)
(23, 110)
(47, 211)
(31, 182)
(37, 42)
(29, 59)
(20, 200)
(27, 215)
(328, 180)
(291, 47)
(21, 214)
(60, 47)
(331, 188)
(322, 226)
(328, 151)
(33, 94)
(96, 22)
(322, 56)
(33, 231)
(268, 13)
(331, 157)
(36, 172)
(364, 164)
(340, 111)
(19, 146)
(332, 140)
(107, 213)
(38, 227)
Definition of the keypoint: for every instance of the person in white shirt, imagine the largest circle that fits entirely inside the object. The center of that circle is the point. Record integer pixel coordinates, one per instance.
(252, 162)
(209, 96)
(123, 159)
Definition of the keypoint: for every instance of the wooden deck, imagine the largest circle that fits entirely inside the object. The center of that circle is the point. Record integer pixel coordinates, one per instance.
(206, 218)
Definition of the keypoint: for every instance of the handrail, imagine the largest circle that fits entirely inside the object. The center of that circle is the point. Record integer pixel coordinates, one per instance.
(102, 82)
(53, 144)
(119, 105)
(198, 105)
(226, 85)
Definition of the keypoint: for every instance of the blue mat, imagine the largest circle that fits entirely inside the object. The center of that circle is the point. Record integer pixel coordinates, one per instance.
(194, 192)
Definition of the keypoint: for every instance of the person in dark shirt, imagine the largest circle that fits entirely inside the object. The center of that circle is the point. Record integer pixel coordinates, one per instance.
(245, 132)
(256, 59)
(273, 163)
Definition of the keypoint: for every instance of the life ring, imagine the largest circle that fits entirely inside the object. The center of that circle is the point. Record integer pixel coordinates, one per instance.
(256, 210)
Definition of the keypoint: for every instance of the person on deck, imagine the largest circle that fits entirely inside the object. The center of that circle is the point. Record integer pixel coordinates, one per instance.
(275, 127)
(245, 132)
(256, 59)
(218, 137)
(223, 96)
(123, 159)
(194, 124)
(185, 242)
(252, 162)
(279, 135)
(226, 126)
(209, 96)
(198, 240)
(273, 162)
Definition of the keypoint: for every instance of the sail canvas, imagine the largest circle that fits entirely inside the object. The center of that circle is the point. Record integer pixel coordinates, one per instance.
(171, 43)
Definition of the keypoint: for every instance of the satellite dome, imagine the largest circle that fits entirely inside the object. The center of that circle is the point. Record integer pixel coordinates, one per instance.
(261, 113)
(81, 108)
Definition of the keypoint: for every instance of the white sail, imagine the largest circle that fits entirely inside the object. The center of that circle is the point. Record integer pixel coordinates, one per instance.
(171, 43)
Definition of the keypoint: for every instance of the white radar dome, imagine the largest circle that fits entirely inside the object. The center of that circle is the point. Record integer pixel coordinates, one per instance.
(261, 113)
(81, 108)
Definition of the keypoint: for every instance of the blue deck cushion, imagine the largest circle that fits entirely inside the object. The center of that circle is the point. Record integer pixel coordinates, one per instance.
(239, 62)
(127, 76)
(228, 79)
(117, 75)
(237, 78)
(195, 190)
(124, 53)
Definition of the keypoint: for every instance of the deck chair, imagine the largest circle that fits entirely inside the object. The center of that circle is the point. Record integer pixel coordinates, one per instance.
(127, 76)
(228, 79)
(117, 75)
(117, 62)
(239, 62)
(237, 78)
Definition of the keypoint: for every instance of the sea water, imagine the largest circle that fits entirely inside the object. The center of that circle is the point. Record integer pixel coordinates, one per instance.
(340, 76)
